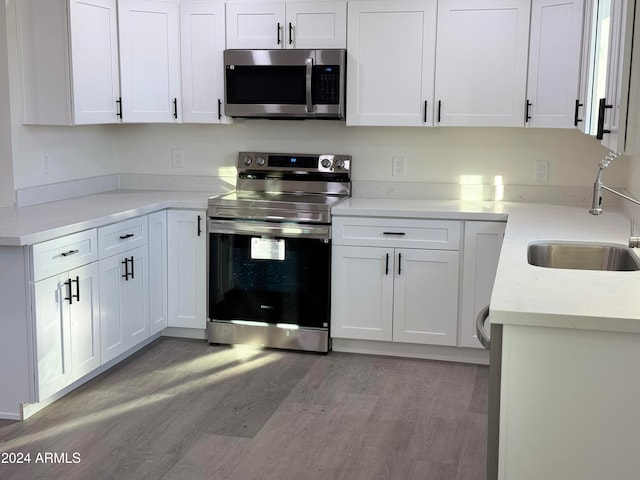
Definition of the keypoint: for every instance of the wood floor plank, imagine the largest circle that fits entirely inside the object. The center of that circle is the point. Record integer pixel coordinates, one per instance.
(181, 409)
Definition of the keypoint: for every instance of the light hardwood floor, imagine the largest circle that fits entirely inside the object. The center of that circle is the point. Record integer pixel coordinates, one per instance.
(181, 409)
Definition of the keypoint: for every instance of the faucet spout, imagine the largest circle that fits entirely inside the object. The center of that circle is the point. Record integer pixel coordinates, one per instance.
(598, 186)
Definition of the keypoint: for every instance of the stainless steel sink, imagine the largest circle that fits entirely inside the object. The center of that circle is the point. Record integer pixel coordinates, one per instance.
(583, 256)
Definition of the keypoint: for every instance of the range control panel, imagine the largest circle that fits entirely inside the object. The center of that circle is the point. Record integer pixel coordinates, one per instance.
(294, 162)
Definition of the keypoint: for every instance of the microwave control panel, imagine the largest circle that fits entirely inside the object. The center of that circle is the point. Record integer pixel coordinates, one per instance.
(326, 87)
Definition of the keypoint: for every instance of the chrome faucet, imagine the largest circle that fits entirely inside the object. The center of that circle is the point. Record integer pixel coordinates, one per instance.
(598, 186)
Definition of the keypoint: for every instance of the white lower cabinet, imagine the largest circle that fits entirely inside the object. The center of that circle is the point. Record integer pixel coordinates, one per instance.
(482, 244)
(425, 307)
(124, 293)
(187, 271)
(67, 328)
(158, 291)
(362, 293)
(87, 298)
(390, 293)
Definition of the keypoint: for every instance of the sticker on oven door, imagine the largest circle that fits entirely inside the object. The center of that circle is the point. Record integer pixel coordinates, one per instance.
(267, 249)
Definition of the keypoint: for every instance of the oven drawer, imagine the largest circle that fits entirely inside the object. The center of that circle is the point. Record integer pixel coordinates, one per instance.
(122, 236)
(397, 232)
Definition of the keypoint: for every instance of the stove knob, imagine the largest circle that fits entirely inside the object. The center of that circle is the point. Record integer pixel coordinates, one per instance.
(339, 163)
(248, 160)
(326, 163)
(261, 161)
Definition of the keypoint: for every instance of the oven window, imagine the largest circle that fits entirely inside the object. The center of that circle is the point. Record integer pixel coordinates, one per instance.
(288, 284)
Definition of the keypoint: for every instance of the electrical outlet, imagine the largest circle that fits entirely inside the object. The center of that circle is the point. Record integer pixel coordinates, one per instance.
(177, 158)
(541, 171)
(397, 165)
(46, 162)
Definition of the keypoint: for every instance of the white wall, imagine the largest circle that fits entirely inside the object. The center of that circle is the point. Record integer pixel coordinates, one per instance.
(438, 155)
(6, 163)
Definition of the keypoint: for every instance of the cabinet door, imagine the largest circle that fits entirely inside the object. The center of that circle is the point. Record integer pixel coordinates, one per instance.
(135, 296)
(202, 33)
(481, 69)
(615, 104)
(113, 331)
(584, 105)
(157, 272)
(68, 53)
(94, 54)
(425, 304)
(53, 337)
(149, 60)
(482, 244)
(316, 25)
(391, 59)
(85, 320)
(255, 25)
(124, 302)
(554, 62)
(362, 292)
(187, 268)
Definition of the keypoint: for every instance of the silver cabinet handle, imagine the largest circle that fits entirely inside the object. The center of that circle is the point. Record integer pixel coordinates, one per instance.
(483, 337)
(70, 252)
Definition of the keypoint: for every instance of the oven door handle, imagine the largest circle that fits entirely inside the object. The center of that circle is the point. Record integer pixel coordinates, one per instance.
(270, 229)
(309, 68)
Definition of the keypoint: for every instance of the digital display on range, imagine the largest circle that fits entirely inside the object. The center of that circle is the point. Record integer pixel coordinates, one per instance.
(293, 161)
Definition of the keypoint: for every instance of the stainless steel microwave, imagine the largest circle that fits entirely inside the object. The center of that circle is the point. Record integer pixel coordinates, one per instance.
(285, 83)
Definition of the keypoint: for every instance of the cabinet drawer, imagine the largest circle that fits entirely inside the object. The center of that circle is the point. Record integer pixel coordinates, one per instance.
(397, 232)
(122, 236)
(65, 253)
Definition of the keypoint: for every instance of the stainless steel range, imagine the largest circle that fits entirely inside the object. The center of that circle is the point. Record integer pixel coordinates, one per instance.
(270, 251)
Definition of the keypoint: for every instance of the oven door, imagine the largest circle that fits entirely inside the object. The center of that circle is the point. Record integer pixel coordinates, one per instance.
(274, 276)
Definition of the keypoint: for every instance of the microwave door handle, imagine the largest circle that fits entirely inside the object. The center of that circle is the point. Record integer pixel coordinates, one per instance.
(309, 64)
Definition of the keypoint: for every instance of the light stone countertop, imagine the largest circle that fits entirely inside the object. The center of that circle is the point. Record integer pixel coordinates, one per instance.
(37, 223)
(524, 294)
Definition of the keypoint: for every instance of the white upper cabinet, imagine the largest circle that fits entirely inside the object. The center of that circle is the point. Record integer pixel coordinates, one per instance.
(275, 25)
(610, 71)
(255, 24)
(391, 59)
(481, 62)
(554, 63)
(69, 56)
(320, 24)
(202, 34)
(149, 60)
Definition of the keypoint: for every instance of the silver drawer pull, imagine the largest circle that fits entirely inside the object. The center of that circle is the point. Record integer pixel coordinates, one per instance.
(394, 233)
(128, 235)
(70, 252)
